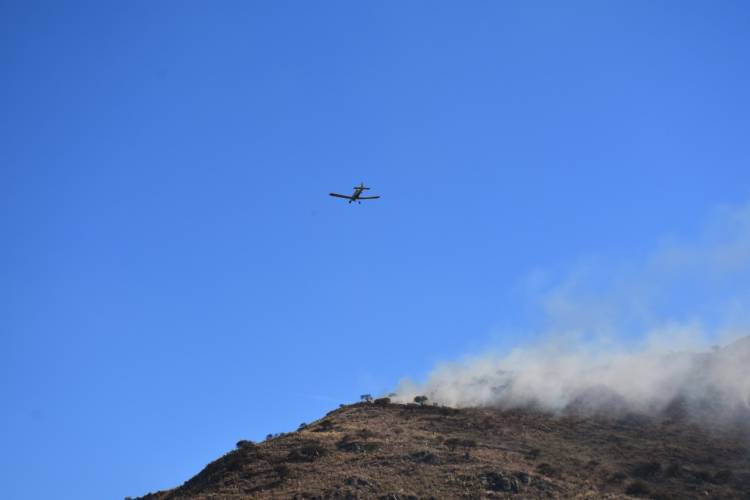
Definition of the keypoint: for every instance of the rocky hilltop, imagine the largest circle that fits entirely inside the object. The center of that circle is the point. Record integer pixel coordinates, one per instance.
(418, 451)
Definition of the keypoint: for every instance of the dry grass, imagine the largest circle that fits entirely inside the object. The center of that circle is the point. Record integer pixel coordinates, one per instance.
(393, 451)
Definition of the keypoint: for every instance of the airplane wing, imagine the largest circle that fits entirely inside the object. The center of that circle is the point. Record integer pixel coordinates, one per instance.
(341, 196)
(369, 197)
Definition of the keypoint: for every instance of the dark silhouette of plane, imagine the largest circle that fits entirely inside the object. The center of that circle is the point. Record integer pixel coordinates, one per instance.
(357, 195)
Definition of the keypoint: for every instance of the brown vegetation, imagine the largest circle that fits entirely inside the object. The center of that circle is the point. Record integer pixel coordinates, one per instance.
(389, 451)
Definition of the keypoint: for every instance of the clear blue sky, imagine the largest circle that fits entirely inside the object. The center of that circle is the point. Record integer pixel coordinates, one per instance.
(175, 277)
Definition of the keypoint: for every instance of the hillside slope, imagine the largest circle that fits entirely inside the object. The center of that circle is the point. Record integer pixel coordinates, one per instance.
(395, 451)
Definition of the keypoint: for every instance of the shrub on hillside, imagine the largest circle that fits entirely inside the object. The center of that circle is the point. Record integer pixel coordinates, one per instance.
(425, 457)
(454, 443)
(366, 433)
(673, 470)
(638, 489)
(324, 425)
(647, 470)
(306, 453)
(723, 476)
(546, 469)
(282, 470)
(533, 454)
(350, 444)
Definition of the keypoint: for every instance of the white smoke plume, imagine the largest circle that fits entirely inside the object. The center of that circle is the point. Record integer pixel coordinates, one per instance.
(638, 336)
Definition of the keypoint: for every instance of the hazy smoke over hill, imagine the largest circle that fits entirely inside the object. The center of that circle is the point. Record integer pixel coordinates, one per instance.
(639, 336)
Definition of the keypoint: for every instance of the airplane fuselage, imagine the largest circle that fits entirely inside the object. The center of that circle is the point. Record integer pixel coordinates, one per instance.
(357, 193)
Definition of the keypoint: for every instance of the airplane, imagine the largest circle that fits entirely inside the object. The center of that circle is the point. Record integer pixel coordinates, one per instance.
(357, 195)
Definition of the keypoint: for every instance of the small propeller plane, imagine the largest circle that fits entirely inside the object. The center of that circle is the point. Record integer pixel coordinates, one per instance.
(357, 195)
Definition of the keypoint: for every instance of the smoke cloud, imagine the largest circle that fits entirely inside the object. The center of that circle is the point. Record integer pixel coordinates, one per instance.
(638, 336)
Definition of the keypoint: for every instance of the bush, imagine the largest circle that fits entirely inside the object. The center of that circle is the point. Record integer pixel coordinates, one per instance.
(496, 481)
(282, 470)
(723, 476)
(703, 476)
(637, 489)
(420, 400)
(382, 401)
(306, 453)
(349, 444)
(454, 443)
(546, 469)
(647, 470)
(425, 457)
(366, 398)
(533, 454)
(324, 425)
(673, 470)
(366, 433)
(243, 443)
(617, 477)
(720, 477)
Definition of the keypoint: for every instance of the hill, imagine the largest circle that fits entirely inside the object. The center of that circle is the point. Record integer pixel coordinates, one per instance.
(395, 451)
